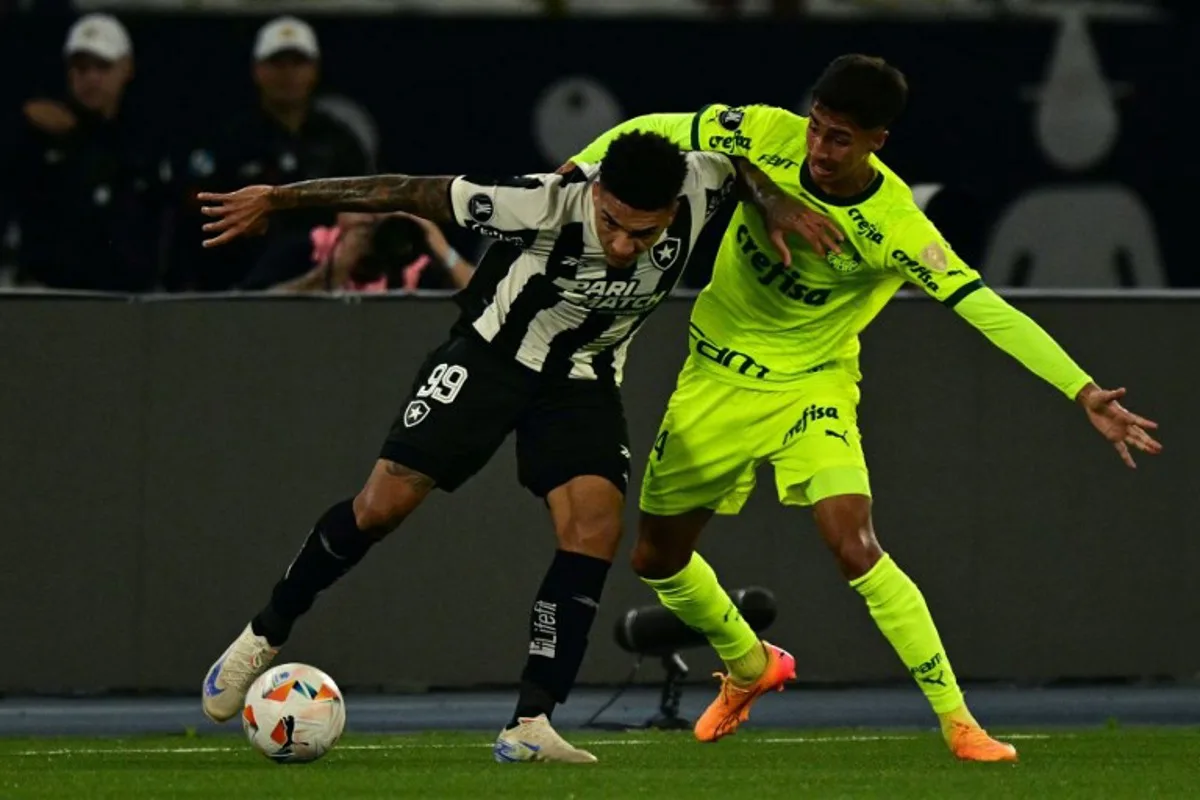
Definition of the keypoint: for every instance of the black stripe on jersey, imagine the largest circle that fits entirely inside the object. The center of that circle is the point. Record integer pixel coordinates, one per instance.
(603, 362)
(539, 292)
(681, 228)
(962, 292)
(576, 175)
(481, 291)
(509, 181)
(696, 120)
(566, 344)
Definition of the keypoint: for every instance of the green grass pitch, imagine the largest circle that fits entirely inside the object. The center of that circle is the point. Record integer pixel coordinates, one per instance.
(1056, 764)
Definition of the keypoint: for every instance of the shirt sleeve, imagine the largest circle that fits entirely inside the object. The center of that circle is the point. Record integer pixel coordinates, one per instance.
(675, 127)
(1023, 339)
(508, 209)
(739, 131)
(918, 252)
(732, 130)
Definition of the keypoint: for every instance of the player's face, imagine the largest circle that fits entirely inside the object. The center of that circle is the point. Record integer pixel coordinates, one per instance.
(625, 233)
(837, 147)
(286, 79)
(98, 84)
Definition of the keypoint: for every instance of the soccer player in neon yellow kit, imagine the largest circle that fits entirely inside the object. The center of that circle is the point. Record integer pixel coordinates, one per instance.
(773, 376)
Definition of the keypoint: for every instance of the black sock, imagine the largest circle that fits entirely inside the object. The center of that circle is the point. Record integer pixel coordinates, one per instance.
(559, 623)
(334, 545)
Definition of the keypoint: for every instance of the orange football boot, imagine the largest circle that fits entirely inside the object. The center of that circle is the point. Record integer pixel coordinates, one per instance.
(732, 706)
(971, 743)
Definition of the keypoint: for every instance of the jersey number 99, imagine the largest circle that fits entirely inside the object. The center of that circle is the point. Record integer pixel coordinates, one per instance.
(444, 384)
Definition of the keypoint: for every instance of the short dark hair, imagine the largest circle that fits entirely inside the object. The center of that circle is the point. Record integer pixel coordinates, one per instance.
(867, 89)
(643, 170)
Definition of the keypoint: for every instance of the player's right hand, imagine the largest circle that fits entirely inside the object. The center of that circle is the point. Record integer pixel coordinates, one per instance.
(240, 213)
(50, 116)
(792, 216)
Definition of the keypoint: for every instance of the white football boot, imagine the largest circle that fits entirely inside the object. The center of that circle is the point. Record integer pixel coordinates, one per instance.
(534, 740)
(224, 693)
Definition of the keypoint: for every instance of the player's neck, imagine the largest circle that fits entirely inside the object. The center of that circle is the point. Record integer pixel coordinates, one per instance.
(853, 184)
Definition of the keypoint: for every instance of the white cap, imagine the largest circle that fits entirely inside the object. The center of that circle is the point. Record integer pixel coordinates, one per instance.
(286, 34)
(100, 35)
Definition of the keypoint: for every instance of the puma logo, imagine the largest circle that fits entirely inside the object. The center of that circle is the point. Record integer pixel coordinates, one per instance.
(937, 679)
(841, 436)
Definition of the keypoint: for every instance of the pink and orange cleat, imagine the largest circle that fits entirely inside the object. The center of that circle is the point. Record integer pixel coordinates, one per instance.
(971, 743)
(732, 706)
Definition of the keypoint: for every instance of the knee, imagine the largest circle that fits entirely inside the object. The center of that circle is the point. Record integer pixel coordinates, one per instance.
(379, 511)
(596, 535)
(856, 550)
(845, 525)
(654, 562)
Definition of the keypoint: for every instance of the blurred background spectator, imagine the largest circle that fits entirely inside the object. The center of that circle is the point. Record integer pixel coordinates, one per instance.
(1027, 127)
(365, 253)
(83, 177)
(284, 139)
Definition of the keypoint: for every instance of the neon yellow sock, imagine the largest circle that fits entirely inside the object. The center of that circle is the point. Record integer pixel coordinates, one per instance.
(899, 610)
(695, 596)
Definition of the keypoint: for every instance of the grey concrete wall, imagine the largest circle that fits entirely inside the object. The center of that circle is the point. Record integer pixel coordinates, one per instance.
(161, 461)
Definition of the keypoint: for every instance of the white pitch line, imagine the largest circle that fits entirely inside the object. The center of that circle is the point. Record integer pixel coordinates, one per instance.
(459, 745)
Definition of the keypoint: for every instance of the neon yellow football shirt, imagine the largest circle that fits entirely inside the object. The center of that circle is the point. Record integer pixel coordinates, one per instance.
(765, 325)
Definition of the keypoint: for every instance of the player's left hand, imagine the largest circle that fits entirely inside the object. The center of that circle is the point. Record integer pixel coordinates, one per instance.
(1117, 424)
(240, 213)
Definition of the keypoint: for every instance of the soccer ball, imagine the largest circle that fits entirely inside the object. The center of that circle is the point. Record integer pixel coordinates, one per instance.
(294, 714)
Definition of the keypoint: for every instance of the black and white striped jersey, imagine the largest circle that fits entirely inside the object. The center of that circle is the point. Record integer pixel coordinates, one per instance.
(544, 294)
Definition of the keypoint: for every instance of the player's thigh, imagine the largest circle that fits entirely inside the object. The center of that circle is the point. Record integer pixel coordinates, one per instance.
(820, 453)
(572, 429)
(462, 405)
(704, 454)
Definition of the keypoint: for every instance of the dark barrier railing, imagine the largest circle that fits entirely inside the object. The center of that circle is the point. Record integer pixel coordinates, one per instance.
(161, 461)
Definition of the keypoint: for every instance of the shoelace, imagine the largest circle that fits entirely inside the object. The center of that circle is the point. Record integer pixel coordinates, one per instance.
(971, 734)
(728, 688)
(242, 672)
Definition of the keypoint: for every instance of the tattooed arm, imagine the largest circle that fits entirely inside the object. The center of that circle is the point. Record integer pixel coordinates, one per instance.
(245, 211)
(427, 197)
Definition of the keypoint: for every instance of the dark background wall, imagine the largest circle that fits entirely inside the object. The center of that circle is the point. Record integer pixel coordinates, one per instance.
(160, 462)
(471, 95)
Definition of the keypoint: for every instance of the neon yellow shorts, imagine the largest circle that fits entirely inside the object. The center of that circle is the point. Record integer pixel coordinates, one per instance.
(715, 435)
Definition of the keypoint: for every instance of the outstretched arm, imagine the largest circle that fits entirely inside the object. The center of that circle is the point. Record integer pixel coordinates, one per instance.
(1025, 340)
(428, 197)
(919, 253)
(245, 211)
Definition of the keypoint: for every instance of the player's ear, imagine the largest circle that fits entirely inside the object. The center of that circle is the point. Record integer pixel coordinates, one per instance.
(879, 139)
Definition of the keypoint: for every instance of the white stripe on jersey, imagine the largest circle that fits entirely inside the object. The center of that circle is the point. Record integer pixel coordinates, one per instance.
(524, 268)
(558, 308)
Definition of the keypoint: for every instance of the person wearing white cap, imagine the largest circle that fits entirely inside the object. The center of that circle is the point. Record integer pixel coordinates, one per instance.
(286, 67)
(99, 58)
(99, 63)
(87, 176)
(286, 138)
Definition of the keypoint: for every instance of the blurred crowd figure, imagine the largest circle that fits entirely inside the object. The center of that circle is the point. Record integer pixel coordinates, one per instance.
(99, 203)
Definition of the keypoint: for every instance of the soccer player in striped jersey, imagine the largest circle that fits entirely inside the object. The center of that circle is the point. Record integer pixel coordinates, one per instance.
(580, 260)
